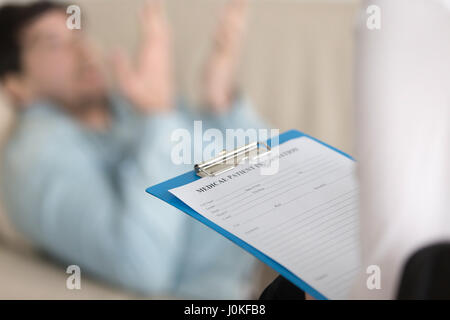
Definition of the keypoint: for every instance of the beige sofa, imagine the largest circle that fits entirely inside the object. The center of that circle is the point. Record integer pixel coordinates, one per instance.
(296, 68)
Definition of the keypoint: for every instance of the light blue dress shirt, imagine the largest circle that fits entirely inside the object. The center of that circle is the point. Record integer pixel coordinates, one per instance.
(80, 195)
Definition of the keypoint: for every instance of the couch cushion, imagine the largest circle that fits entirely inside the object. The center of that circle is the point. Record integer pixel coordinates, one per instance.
(30, 276)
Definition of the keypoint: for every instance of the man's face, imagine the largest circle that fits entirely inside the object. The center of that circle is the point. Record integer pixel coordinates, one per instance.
(59, 64)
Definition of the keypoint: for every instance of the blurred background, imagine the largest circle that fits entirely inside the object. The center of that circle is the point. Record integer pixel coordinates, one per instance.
(296, 68)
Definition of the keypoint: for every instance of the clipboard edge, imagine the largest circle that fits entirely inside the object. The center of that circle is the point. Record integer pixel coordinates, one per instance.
(191, 176)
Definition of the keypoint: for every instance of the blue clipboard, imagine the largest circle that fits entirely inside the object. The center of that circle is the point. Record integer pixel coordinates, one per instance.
(161, 191)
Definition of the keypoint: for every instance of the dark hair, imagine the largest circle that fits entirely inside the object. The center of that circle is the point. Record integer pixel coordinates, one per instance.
(14, 18)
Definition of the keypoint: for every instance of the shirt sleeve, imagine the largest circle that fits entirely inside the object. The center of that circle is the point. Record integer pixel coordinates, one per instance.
(99, 217)
(59, 196)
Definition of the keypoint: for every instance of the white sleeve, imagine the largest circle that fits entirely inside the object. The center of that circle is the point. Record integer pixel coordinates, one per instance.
(402, 86)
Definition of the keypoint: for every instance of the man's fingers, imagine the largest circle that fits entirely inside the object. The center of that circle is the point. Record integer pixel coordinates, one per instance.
(235, 14)
(153, 19)
(240, 5)
(154, 7)
(232, 25)
(156, 37)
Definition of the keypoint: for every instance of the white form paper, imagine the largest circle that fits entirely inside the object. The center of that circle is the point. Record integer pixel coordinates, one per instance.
(305, 216)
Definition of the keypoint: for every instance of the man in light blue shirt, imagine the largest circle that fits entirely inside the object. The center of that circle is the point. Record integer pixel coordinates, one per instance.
(78, 161)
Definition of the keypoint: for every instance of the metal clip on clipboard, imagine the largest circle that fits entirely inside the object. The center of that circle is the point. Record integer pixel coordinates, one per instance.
(227, 160)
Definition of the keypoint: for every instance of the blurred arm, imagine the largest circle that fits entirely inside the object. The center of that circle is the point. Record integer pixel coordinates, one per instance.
(69, 205)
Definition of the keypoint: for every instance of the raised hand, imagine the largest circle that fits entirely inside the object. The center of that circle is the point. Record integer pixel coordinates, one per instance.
(220, 69)
(149, 82)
